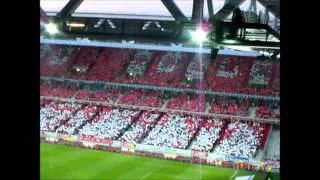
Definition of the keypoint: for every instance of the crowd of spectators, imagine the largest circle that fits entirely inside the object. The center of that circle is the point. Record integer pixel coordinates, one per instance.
(261, 72)
(58, 61)
(110, 64)
(268, 111)
(130, 97)
(166, 69)
(241, 139)
(178, 101)
(198, 67)
(54, 114)
(55, 90)
(108, 95)
(139, 63)
(139, 128)
(184, 102)
(229, 74)
(151, 99)
(173, 130)
(79, 118)
(171, 69)
(84, 60)
(208, 135)
(109, 124)
(228, 105)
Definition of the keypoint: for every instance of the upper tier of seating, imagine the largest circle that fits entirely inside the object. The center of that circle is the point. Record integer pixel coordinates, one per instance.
(170, 69)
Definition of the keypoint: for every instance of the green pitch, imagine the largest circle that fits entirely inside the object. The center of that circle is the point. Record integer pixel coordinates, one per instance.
(63, 162)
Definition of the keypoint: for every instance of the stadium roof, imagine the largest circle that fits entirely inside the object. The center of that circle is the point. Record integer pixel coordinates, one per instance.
(163, 20)
(148, 9)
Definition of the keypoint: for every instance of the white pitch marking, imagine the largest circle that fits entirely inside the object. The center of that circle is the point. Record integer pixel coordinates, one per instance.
(145, 176)
(235, 173)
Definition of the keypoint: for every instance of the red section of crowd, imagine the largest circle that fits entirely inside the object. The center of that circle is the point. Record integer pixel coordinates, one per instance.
(226, 73)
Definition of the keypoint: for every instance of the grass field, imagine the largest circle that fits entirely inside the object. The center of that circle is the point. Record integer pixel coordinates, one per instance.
(64, 162)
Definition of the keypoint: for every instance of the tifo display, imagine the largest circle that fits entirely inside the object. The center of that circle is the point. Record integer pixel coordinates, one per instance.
(221, 111)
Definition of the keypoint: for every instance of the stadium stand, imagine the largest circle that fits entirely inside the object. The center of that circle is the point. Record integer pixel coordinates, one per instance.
(173, 130)
(172, 69)
(240, 139)
(208, 135)
(228, 105)
(268, 110)
(109, 65)
(139, 128)
(80, 118)
(165, 83)
(272, 148)
(54, 114)
(109, 124)
(236, 138)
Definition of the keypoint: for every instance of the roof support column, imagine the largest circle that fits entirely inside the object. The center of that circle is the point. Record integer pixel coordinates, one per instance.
(197, 10)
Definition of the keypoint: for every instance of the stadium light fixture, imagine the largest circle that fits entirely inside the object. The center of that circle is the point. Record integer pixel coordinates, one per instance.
(76, 24)
(199, 35)
(51, 28)
(264, 53)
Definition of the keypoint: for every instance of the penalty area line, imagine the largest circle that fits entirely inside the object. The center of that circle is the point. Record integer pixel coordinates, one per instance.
(235, 173)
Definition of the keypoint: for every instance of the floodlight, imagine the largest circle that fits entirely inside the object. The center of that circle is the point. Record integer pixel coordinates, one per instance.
(76, 24)
(199, 35)
(51, 28)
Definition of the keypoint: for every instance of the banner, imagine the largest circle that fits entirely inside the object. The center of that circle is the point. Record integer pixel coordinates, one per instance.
(237, 159)
(215, 159)
(273, 164)
(89, 144)
(62, 136)
(50, 134)
(51, 139)
(170, 156)
(199, 154)
(128, 147)
(94, 139)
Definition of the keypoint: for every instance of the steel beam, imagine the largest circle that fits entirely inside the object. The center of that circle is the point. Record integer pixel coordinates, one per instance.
(69, 8)
(174, 10)
(197, 10)
(227, 9)
(210, 9)
(42, 13)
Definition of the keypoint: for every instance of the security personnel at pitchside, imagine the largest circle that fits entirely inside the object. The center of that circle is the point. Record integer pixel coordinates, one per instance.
(269, 170)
